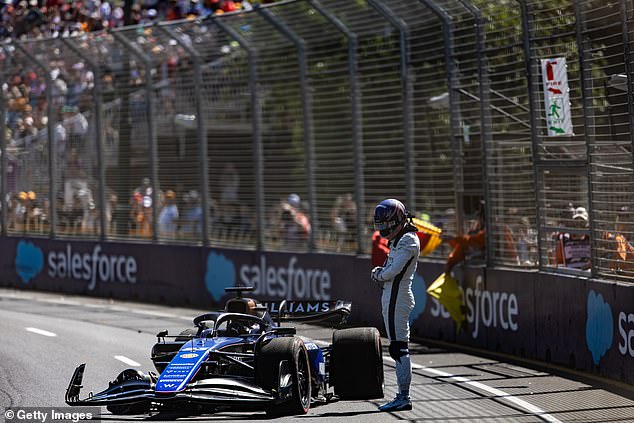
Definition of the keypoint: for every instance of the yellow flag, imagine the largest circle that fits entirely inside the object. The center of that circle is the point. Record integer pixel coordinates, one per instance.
(445, 289)
(429, 236)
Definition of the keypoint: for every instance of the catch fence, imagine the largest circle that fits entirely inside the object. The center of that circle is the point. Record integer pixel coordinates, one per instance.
(281, 127)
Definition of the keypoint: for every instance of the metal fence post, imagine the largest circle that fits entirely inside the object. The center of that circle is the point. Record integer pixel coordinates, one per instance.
(357, 128)
(485, 118)
(454, 108)
(52, 152)
(200, 129)
(256, 123)
(98, 133)
(585, 76)
(149, 110)
(407, 97)
(527, 30)
(307, 111)
(3, 153)
(628, 67)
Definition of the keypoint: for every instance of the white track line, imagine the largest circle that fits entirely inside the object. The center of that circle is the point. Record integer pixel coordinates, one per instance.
(41, 332)
(497, 392)
(391, 361)
(126, 360)
(110, 307)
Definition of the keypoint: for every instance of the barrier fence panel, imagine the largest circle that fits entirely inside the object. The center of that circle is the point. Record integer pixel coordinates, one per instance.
(4, 138)
(33, 102)
(433, 152)
(228, 132)
(605, 36)
(77, 189)
(562, 174)
(385, 170)
(469, 134)
(509, 168)
(285, 179)
(329, 85)
(281, 127)
(174, 123)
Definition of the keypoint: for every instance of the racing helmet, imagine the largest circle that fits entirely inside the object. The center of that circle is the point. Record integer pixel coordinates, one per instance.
(241, 305)
(390, 218)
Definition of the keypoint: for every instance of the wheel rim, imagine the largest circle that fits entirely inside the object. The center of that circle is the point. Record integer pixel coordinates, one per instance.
(303, 379)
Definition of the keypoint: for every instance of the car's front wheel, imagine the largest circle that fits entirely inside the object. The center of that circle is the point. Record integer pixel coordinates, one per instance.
(282, 365)
(131, 379)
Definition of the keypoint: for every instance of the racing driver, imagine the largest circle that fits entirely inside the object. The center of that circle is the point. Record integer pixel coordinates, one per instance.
(397, 300)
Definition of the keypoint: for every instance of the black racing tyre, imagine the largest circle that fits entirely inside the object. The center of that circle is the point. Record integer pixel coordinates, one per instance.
(186, 335)
(267, 369)
(134, 408)
(356, 364)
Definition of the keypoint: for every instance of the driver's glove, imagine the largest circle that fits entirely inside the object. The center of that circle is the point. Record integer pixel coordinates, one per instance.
(375, 276)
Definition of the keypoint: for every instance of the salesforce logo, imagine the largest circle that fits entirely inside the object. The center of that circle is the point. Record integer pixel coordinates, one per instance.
(419, 288)
(29, 261)
(220, 274)
(599, 326)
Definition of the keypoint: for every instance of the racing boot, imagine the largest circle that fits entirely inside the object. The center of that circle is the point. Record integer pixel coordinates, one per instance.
(400, 403)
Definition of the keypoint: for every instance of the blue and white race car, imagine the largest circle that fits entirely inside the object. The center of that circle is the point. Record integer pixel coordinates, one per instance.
(242, 358)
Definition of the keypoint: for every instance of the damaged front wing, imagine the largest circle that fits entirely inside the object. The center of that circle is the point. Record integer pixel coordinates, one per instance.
(212, 391)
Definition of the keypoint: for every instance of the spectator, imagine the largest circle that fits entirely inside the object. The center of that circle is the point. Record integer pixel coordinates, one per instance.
(295, 226)
(343, 218)
(74, 177)
(34, 213)
(141, 209)
(35, 19)
(168, 217)
(573, 248)
(193, 215)
(20, 211)
(76, 126)
(621, 249)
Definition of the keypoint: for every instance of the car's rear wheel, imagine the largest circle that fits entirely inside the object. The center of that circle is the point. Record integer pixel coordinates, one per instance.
(356, 363)
(275, 361)
(137, 407)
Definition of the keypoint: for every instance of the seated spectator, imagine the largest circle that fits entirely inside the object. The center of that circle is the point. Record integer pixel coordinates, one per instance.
(573, 248)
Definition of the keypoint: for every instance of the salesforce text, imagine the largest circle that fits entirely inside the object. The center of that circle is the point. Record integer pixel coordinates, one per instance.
(93, 268)
(288, 282)
(487, 307)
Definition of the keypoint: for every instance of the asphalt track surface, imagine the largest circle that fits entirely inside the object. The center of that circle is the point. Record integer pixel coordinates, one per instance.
(45, 336)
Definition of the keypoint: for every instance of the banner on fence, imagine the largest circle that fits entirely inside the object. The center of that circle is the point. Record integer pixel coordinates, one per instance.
(556, 96)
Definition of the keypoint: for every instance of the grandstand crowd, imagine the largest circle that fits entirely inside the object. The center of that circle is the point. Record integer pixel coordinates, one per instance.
(51, 18)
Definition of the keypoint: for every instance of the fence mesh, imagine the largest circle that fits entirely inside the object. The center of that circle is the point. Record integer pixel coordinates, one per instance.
(281, 127)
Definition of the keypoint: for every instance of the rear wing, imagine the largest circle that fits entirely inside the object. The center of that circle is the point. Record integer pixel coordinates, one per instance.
(308, 311)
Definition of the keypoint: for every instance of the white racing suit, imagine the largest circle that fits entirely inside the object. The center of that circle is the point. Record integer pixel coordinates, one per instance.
(397, 300)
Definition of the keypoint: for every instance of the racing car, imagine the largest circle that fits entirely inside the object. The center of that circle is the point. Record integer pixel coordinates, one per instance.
(242, 357)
